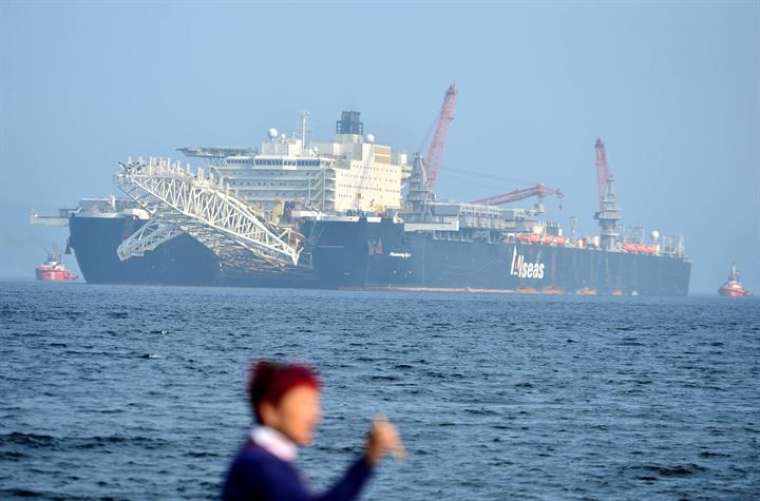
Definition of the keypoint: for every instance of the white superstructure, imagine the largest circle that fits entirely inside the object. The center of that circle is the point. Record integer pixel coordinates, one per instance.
(350, 173)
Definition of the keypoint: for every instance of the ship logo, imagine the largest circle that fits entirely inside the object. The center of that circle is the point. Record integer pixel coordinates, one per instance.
(522, 269)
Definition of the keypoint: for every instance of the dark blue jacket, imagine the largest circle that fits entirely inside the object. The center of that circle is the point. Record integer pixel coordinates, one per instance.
(257, 474)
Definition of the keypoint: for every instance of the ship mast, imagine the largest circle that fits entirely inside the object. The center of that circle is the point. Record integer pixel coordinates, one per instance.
(419, 195)
(609, 217)
(609, 212)
(602, 171)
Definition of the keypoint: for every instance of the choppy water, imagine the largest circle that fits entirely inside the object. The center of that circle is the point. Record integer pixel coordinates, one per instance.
(137, 392)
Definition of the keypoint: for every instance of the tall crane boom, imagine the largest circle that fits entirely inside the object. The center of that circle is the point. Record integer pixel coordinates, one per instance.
(434, 155)
(538, 190)
(602, 171)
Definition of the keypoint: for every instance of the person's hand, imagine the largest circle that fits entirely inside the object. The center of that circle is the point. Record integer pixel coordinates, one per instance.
(383, 439)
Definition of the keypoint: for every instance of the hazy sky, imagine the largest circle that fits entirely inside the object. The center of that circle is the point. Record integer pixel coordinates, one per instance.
(672, 88)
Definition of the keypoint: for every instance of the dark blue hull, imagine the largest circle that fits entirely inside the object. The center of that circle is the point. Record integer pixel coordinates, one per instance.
(180, 261)
(381, 254)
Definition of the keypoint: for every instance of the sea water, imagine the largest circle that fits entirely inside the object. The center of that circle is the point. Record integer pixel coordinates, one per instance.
(139, 392)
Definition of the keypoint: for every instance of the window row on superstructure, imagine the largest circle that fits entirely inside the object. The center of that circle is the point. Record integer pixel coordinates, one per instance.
(296, 183)
(279, 162)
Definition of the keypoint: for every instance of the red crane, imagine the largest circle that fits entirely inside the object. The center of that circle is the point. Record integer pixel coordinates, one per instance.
(434, 155)
(602, 171)
(538, 190)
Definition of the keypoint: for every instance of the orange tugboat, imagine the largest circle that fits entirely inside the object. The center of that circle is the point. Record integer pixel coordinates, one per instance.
(53, 270)
(733, 287)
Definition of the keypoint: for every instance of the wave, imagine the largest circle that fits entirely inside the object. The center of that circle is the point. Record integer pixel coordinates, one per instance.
(656, 471)
(34, 440)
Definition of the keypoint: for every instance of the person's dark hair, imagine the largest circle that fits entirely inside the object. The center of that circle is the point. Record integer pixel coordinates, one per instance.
(269, 381)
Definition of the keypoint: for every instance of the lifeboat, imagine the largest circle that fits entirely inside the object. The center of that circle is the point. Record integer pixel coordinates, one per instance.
(640, 248)
(543, 239)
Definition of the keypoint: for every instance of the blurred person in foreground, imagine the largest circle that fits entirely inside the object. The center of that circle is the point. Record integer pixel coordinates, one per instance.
(285, 403)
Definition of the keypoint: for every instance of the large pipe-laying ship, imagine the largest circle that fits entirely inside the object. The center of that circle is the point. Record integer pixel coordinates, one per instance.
(352, 213)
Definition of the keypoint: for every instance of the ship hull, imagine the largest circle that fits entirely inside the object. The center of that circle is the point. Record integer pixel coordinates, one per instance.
(733, 290)
(381, 254)
(54, 275)
(180, 261)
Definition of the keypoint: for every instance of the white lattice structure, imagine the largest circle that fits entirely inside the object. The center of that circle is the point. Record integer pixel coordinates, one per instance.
(147, 238)
(197, 204)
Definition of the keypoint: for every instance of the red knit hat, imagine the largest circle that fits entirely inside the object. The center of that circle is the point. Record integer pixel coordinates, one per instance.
(269, 381)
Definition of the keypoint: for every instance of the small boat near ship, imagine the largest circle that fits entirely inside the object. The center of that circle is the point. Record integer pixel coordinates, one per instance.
(733, 287)
(53, 269)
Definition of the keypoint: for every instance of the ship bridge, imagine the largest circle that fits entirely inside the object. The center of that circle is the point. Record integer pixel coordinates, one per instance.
(202, 206)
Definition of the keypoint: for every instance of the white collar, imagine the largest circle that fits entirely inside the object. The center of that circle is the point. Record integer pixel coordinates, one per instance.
(274, 442)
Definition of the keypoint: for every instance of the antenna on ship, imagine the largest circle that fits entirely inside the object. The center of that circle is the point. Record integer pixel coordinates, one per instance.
(304, 128)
